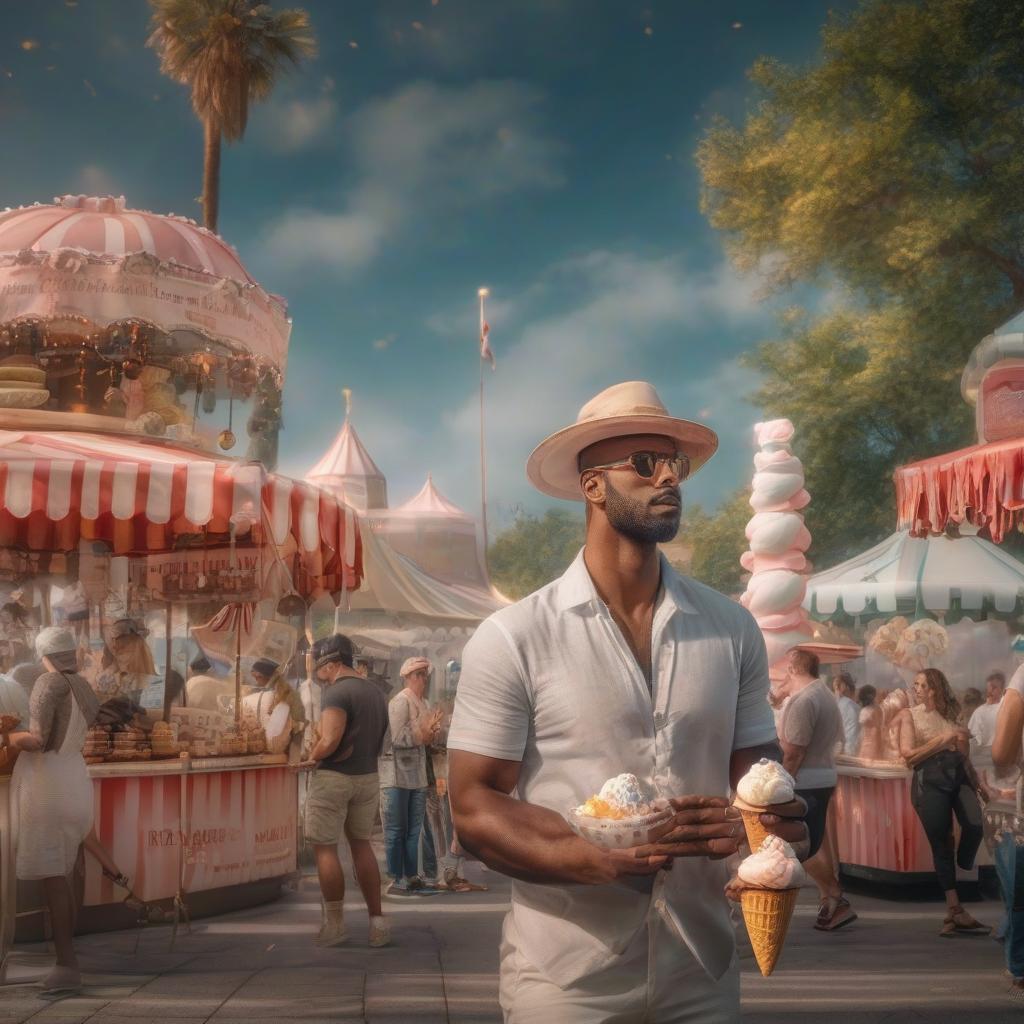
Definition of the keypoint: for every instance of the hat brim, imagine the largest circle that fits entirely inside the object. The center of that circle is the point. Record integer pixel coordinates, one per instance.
(553, 467)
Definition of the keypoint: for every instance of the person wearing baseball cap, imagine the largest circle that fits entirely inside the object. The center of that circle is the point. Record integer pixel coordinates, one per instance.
(621, 666)
(405, 778)
(344, 791)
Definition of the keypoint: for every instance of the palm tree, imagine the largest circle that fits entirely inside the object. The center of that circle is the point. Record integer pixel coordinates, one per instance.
(229, 53)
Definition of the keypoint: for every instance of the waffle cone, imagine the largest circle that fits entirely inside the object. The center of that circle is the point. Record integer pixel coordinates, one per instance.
(766, 913)
(756, 832)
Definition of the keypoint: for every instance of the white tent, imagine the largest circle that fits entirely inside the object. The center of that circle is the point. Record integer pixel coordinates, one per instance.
(348, 472)
(905, 574)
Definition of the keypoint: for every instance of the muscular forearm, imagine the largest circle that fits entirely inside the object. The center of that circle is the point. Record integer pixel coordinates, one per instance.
(525, 841)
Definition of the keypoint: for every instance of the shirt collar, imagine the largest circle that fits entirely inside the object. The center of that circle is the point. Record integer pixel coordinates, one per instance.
(576, 588)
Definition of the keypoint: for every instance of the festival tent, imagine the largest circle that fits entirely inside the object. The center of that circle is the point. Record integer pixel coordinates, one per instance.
(911, 575)
(347, 471)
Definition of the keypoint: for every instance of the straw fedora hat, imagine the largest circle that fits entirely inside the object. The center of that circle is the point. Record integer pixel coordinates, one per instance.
(632, 407)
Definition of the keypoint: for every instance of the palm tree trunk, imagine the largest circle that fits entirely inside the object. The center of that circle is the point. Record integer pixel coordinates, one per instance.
(211, 171)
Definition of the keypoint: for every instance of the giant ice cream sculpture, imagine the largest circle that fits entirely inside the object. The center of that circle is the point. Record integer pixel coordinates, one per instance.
(778, 539)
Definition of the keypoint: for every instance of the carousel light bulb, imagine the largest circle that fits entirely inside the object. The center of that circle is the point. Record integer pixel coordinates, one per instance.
(483, 292)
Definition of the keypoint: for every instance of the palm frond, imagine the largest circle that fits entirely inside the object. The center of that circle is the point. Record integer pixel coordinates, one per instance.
(230, 53)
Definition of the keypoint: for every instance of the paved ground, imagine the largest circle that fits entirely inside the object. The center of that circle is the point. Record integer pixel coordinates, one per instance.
(261, 966)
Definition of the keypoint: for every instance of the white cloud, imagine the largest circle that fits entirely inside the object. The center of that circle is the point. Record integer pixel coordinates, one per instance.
(548, 366)
(425, 152)
(290, 125)
(94, 180)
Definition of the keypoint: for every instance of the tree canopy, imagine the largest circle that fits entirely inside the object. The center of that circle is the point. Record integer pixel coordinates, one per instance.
(888, 173)
(534, 551)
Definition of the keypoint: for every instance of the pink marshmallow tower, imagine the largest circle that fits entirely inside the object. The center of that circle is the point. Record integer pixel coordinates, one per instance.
(778, 539)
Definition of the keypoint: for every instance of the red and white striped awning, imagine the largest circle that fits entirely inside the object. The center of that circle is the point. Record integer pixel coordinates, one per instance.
(138, 497)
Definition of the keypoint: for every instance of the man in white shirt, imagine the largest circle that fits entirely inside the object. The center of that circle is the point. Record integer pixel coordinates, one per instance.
(849, 711)
(621, 665)
(982, 725)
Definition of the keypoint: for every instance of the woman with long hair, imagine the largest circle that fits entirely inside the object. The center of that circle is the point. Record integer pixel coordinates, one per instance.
(945, 786)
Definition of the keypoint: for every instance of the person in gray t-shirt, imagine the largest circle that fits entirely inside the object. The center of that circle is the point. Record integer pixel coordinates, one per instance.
(810, 730)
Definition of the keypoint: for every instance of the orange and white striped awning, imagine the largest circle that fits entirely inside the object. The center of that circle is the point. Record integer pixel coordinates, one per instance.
(139, 497)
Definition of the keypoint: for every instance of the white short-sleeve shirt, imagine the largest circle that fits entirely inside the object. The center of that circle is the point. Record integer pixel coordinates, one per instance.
(550, 682)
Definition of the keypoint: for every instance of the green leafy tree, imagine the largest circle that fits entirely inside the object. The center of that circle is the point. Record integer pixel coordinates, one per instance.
(230, 53)
(716, 542)
(888, 171)
(533, 552)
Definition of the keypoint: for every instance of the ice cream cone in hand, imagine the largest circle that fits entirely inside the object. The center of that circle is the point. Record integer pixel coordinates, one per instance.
(771, 880)
(766, 785)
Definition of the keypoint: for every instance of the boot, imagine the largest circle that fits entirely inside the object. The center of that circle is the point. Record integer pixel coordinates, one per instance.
(333, 932)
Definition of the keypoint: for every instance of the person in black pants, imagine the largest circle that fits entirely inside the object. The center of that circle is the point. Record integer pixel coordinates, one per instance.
(945, 786)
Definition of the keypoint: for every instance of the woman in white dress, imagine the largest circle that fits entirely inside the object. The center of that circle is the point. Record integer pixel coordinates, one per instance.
(51, 792)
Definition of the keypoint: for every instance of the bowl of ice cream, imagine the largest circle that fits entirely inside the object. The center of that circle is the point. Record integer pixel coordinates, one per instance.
(622, 814)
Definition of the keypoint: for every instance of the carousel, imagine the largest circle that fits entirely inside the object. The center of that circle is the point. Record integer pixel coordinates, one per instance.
(135, 354)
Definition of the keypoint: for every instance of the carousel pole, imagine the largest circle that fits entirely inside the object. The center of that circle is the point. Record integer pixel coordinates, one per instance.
(238, 665)
(167, 663)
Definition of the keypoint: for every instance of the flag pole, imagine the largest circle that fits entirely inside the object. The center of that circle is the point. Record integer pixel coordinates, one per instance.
(482, 294)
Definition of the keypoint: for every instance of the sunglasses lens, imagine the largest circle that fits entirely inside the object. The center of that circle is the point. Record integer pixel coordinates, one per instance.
(644, 463)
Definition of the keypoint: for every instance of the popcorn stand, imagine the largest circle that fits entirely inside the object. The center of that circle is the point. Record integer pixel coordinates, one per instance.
(127, 341)
(939, 592)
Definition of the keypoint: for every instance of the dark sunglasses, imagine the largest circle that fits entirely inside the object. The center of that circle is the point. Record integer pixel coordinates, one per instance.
(645, 464)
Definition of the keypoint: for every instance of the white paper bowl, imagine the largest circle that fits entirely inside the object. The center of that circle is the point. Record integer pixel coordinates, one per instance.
(617, 833)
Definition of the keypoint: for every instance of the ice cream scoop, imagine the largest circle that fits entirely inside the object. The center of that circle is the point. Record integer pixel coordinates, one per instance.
(766, 783)
(625, 792)
(774, 866)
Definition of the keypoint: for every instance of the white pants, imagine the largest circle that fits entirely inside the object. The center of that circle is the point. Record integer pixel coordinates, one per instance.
(657, 982)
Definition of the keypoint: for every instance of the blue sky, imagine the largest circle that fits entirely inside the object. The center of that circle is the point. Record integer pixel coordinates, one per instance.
(543, 148)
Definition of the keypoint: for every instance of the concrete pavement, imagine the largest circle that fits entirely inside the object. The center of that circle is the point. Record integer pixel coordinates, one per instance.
(261, 966)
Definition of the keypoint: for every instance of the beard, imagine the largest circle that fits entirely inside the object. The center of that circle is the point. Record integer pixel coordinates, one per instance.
(644, 522)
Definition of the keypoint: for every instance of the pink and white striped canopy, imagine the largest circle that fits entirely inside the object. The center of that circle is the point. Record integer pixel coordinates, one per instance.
(103, 225)
(57, 489)
(92, 258)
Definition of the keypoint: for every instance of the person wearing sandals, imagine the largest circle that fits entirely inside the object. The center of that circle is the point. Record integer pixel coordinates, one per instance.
(1007, 753)
(810, 731)
(51, 792)
(945, 786)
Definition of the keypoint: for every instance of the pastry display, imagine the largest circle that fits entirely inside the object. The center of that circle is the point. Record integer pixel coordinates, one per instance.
(97, 744)
(22, 385)
(773, 877)
(622, 814)
(130, 744)
(255, 740)
(765, 785)
(164, 740)
(232, 742)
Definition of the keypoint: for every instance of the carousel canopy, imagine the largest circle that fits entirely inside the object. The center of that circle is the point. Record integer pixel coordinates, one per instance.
(906, 573)
(57, 489)
(347, 471)
(983, 485)
(93, 258)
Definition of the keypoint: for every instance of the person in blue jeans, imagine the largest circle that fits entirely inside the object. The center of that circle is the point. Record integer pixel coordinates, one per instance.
(1009, 853)
(404, 781)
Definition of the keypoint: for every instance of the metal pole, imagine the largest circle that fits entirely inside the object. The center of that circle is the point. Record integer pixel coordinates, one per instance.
(238, 666)
(483, 459)
(167, 664)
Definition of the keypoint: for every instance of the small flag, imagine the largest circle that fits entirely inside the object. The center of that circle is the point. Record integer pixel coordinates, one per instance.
(485, 345)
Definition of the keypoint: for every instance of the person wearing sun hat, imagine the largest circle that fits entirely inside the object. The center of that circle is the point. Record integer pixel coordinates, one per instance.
(620, 666)
(51, 792)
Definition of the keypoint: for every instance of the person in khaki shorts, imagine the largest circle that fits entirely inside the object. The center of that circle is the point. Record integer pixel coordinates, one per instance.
(344, 790)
